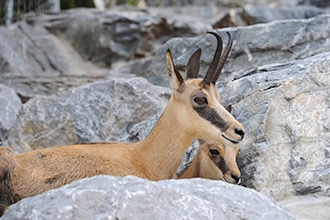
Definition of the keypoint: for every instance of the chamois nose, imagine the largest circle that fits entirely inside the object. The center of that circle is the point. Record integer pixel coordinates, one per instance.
(236, 178)
(240, 132)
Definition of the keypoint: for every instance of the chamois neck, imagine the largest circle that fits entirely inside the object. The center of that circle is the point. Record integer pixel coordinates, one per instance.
(162, 150)
(194, 168)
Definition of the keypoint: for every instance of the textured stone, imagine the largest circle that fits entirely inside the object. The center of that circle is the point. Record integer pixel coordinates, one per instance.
(256, 45)
(122, 34)
(308, 207)
(285, 111)
(94, 112)
(10, 105)
(108, 197)
(251, 14)
(34, 62)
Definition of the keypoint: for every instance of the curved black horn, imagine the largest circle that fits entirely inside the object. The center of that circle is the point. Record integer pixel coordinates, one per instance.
(223, 59)
(211, 71)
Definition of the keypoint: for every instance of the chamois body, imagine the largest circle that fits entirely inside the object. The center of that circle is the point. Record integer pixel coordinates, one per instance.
(193, 111)
(213, 161)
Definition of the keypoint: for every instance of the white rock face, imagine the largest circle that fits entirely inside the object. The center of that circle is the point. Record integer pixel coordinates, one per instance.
(94, 112)
(10, 105)
(285, 111)
(108, 197)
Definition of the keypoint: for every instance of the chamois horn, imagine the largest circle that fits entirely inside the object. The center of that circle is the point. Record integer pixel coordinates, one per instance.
(223, 59)
(218, 61)
(211, 71)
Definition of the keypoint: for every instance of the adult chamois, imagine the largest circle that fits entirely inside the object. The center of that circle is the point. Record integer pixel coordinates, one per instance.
(193, 111)
(213, 161)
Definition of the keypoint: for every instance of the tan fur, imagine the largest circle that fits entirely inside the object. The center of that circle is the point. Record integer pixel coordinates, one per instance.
(7, 166)
(156, 157)
(205, 165)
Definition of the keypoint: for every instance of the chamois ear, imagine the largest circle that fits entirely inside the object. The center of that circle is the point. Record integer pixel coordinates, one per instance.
(173, 73)
(194, 64)
(228, 108)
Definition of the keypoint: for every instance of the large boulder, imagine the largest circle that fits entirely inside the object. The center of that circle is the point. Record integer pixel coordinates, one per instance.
(93, 112)
(10, 105)
(35, 62)
(285, 111)
(251, 14)
(122, 34)
(51, 53)
(256, 45)
(108, 197)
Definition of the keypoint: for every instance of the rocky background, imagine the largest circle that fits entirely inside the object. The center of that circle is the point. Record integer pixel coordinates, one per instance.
(87, 75)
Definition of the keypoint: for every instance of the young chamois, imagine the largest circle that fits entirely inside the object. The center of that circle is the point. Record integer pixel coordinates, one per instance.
(193, 111)
(213, 161)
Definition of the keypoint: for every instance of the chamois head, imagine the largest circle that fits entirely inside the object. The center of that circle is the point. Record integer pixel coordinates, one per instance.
(218, 161)
(198, 102)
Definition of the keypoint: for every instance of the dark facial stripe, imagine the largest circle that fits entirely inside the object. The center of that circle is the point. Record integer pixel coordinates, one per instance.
(222, 165)
(212, 116)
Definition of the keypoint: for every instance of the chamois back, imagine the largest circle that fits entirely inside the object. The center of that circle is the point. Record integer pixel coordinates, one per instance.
(8, 165)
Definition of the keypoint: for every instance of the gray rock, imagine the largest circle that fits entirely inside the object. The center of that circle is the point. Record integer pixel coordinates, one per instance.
(56, 52)
(120, 35)
(10, 105)
(291, 3)
(285, 111)
(34, 62)
(262, 14)
(257, 45)
(94, 112)
(251, 14)
(108, 197)
(308, 207)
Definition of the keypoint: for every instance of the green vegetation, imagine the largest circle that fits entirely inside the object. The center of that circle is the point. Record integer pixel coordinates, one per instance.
(66, 4)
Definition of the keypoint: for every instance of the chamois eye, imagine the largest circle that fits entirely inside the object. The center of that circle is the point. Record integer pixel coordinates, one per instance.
(200, 101)
(214, 152)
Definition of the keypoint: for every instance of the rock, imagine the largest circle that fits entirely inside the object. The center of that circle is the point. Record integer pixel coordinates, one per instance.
(120, 35)
(285, 151)
(90, 113)
(308, 207)
(109, 197)
(85, 43)
(284, 3)
(285, 111)
(317, 3)
(56, 52)
(249, 15)
(10, 105)
(276, 42)
(34, 62)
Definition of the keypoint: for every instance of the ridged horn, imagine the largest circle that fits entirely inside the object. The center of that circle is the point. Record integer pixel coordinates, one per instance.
(223, 59)
(211, 71)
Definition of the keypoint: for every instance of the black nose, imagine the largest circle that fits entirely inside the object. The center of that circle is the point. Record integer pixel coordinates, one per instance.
(236, 178)
(240, 132)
